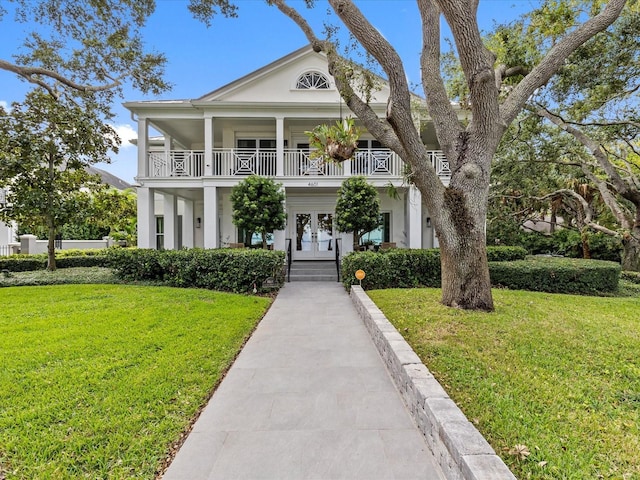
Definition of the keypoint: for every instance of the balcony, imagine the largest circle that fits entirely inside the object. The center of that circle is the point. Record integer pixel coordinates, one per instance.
(233, 162)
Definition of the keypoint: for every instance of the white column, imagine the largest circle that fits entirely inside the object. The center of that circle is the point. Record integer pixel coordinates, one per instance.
(279, 147)
(143, 140)
(208, 146)
(210, 220)
(346, 168)
(146, 218)
(280, 236)
(415, 217)
(187, 223)
(347, 243)
(170, 222)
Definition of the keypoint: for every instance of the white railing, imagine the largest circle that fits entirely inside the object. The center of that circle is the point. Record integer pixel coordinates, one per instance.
(176, 163)
(299, 163)
(440, 163)
(239, 161)
(231, 162)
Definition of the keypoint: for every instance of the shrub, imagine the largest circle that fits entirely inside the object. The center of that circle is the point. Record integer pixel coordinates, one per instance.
(506, 254)
(633, 277)
(556, 275)
(23, 263)
(400, 268)
(91, 260)
(231, 270)
(394, 268)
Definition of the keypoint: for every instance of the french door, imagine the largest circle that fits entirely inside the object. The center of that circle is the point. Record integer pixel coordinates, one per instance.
(314, 236)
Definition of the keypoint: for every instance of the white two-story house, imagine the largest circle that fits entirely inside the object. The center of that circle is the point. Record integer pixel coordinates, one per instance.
(256, 125)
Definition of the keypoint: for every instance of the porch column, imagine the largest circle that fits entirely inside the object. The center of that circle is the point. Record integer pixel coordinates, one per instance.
(187, 223)
(146, 218)
(279, 147)
(280, 236)
(346, 168)
(210, 220)
(415, 217)
(347, 243)
(170, 222)
(208, 146)
(143, 137)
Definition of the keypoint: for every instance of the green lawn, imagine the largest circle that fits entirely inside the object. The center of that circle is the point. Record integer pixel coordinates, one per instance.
(98, 381)
(559, 374)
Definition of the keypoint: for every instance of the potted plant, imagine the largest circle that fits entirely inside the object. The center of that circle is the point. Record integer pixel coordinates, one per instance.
(336, 142)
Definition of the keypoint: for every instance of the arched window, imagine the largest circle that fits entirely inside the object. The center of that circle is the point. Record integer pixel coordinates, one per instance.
(312, 80)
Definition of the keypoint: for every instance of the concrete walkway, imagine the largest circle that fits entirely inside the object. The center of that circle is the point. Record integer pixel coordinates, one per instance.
(308, 398)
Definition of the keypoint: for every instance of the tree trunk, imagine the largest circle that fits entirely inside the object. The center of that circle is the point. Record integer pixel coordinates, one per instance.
(51, 249)
(631, 253)
(463, 254)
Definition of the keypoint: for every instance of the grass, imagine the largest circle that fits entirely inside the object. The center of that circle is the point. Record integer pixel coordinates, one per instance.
(559, 374)
(99, 381)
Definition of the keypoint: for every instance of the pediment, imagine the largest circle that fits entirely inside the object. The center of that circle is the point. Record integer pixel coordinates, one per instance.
(279, 82)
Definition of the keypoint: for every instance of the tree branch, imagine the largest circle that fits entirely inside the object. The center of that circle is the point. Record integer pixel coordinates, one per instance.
(32, 74)
(378, 128)
(445, 120)
(555, 58)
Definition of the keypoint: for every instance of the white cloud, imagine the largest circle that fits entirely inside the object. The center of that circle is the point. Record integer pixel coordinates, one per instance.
(126, 132)
(4, 104)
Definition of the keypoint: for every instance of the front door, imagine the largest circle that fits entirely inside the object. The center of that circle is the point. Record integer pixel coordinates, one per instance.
(313, 236)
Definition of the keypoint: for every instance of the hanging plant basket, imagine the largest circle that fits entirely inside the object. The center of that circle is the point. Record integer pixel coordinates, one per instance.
(340, 151)
(336, 142)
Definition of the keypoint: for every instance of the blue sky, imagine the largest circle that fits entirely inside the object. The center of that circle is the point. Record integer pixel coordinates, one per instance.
(201, 59)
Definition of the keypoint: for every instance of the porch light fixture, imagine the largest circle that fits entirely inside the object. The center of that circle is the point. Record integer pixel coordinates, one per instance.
(198, 222)
(428, 222)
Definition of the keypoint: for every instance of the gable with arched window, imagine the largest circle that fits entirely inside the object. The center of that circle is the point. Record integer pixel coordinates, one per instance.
(312, 81)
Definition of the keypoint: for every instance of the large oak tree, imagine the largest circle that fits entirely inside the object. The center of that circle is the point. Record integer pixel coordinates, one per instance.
(458, 212)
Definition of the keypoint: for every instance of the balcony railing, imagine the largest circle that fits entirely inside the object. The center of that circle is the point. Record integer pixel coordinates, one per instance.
(230, 162)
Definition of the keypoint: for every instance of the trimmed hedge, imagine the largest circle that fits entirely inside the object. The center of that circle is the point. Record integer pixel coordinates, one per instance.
(64, 259)
(230, 270)
(506, 254)
(557, 275)
(400, 268)
(394, 268)
(633, 277)
(23, 263)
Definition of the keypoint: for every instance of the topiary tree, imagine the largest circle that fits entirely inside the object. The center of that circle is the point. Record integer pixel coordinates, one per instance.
(258, 206)
(358, 208)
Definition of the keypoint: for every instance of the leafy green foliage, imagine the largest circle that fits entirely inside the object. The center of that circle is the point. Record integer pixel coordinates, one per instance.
(62, 276)
(101, 381)
(231, 270)
(67, 258)
(557, 275)
(357, 208)
(85, 46)
(557, 373)
(402, 268)
(258, 206)
(44, 146)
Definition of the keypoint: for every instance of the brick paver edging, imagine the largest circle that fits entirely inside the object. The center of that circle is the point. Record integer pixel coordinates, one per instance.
(459, 448)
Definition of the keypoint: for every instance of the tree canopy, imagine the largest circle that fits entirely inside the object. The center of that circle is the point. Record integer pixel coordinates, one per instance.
(45, 146)
(84, 46)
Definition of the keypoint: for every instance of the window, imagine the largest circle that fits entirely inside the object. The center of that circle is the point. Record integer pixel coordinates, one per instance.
(253, 239)
(159, 233)
(380, 234)
(312, 80)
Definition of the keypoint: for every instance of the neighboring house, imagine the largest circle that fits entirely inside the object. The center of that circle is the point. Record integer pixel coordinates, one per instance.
(7, 231)
(256, 125)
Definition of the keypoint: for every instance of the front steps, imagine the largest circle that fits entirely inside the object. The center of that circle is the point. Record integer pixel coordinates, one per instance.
(314, 271)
